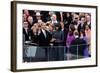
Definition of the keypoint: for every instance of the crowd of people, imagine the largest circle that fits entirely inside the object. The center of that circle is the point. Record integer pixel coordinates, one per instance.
(50, 28)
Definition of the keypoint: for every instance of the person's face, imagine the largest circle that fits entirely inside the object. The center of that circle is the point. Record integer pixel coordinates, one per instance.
(87, 27)
(81, 35)
(40, 22)
(25, 25)
(35, 25)
(38, 17)
(57, 28)
(44, 26)
(76, 34)
(26, 12)
(54, 17)
(24, 17)
(88, 18)
(82, 20)
(62, 25)
(30, 19)
(76, 18)
(67, 14)
(34, 29)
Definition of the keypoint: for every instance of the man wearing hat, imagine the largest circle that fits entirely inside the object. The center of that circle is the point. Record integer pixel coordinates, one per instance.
(38, 17)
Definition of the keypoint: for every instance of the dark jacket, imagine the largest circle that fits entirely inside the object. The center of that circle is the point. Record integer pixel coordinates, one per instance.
(44, 41)
(59, 36)
(27, 34)
(79, 44)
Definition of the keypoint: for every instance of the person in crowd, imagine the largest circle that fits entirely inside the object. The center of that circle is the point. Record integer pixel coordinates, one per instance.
(81, 26)
(44, 35)
(38, 17)
(24, 18)
(70, 37)
(26, 12)
(62, 26)
(78, 45)
(44, 38)
(76, 21)
(30, 21)
(26, 31)
(59, 16)
(53, 19)
(48, 15)
(82, 36)
(25, 15)
(45, 16)
(49, 27)
(58, 35)
(64, 31)
(67, 18)
(88, 35)
(88, 20)
(81, 14)
(58, 39)
(34, 34)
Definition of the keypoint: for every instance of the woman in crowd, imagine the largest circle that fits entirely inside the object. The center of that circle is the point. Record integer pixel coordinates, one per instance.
(78, 45)
(82, 36)
(70, 37)
(58, 39)
(88, 35)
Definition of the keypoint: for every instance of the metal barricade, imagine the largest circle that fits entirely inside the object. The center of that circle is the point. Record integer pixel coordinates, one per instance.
(52, 53)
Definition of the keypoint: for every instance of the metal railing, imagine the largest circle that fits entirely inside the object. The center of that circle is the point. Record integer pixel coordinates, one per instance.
(32, 52)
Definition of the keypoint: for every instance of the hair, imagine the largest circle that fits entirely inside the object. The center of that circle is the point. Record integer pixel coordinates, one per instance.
(58, 25)
(72, 27)
(47, 24)
(82, 17)
(70, 33)
(88, 26)
(82, 31)
(76, 32)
